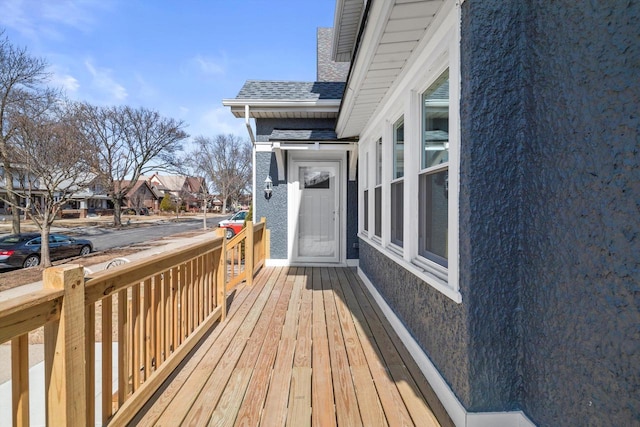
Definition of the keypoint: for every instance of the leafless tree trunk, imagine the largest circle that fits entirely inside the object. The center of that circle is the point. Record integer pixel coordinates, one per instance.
(21, 89)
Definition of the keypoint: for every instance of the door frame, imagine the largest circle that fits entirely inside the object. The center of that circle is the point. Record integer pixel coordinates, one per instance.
(322, 156)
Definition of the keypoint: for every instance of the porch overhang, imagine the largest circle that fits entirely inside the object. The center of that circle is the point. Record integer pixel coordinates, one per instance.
(282, 109)
(393, 32)
(312, 140)
(279, 147)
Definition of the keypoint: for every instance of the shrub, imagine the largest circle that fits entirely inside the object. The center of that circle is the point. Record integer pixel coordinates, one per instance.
(166, 205)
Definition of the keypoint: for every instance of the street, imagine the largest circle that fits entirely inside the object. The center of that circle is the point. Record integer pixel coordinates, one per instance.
(108, 238)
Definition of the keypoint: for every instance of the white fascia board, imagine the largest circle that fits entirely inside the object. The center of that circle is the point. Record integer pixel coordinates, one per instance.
(269, 105)
(436, 34)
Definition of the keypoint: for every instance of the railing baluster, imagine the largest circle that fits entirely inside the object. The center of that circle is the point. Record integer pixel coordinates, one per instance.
(90, 359)
(107, 358)
(156, 333)
(136, 347)
(20, 380)
(123, 345)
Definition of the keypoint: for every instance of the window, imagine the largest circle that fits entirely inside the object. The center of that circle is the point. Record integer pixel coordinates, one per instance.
(397, 184)
(433, 181)
(365, 197)
(412, 208)
(366, 210)
(378, 191)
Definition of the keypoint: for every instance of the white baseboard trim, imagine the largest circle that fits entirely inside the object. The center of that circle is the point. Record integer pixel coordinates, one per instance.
(353, 262)
(276, 262)
(452, 405)
(287, 263)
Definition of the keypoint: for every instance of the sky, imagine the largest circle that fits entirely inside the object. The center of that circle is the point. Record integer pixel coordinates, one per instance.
(180, 57)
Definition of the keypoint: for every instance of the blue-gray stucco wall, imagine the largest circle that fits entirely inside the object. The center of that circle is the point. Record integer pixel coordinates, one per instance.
(275, 209)
(580, 265)
(549, 218)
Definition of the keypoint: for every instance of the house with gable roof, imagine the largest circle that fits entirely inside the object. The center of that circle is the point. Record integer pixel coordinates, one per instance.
(187, 189)
(480, 167)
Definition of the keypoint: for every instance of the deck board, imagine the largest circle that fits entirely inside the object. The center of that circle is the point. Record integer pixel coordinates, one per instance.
(303, 346)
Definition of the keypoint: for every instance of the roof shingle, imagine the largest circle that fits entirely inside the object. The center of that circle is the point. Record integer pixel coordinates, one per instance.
(290, 90)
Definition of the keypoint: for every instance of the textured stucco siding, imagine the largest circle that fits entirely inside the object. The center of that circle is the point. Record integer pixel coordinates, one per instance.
(581, 257)
(490, 172)
(274, 209)
(549, 208)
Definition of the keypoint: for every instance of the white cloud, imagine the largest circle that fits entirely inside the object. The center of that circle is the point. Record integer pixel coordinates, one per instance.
(145, 89)
(38, 19)
(209, 66)
(183, 111)
(65, 81)
(103, 81)
(219, 121)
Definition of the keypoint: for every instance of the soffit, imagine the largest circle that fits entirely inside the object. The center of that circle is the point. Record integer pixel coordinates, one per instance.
(347, 24)
(393, 30)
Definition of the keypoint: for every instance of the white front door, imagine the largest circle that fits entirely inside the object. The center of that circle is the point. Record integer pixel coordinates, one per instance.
(317, 196)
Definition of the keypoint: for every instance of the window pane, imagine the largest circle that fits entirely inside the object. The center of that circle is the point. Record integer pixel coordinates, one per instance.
(435, 123)
(366, 210)
(378, 206)
(397, 218)
(398, 149)
(379, 162)
(434, 216)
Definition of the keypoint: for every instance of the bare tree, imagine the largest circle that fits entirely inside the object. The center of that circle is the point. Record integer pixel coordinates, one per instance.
(22, 90)
(59, 163)
(130, 143)
(226, 162)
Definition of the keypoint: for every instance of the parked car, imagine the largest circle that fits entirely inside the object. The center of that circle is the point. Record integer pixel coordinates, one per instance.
(23, 250)
(233, 224)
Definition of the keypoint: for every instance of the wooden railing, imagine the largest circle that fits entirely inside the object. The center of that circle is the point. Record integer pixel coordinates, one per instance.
(242, 265)
(157, 309)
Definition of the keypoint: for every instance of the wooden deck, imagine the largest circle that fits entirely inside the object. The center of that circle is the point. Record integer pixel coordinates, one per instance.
(302, 346)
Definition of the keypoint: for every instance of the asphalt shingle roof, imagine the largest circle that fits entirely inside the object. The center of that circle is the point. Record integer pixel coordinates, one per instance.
(289, 90)
(303, 135)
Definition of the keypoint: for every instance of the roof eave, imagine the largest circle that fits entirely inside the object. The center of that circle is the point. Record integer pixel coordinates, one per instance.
(321, 106)
(373, 87)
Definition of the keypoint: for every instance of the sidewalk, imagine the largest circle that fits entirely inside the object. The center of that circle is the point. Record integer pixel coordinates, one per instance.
(36, 351)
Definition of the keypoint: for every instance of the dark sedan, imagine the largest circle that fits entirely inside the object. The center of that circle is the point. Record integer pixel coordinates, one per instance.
(23, 250)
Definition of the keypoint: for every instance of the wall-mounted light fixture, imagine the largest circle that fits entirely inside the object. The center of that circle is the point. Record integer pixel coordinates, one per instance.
(268, 188)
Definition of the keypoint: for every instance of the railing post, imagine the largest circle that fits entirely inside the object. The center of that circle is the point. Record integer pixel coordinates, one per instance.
(248, 253)
(65, 375)
(221, 282)
(265, 240)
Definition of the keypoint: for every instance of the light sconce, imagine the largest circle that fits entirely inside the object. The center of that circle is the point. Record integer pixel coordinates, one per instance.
(268, 188)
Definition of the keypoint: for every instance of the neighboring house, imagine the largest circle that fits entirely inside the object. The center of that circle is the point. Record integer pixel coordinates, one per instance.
(498, 185)
(93, 200)
(185, 189)
(25, 185)
(143, 194)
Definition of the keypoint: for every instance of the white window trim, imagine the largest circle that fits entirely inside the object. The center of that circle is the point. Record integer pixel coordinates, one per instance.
(440, 52)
